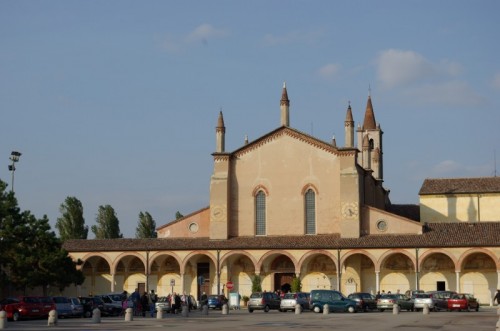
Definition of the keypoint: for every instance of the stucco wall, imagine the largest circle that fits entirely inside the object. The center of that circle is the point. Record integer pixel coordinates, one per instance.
(462, 208)
(284, 168)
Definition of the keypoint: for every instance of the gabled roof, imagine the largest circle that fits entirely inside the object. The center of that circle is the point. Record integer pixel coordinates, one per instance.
(182, 218)
(299, 135)
(460, 185)
(461, 234)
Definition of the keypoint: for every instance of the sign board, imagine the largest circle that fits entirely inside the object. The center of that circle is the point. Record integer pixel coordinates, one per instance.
(229, 285)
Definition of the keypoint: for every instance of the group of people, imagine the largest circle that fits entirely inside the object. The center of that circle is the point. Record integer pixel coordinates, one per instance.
(178, 301)
(140, 303)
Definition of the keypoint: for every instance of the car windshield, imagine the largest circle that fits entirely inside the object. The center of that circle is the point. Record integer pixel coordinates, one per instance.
(422, 296)
(256, 295)
(75, 301)
(116, 297)
(60, 300)
(289, 296)
(388, 296)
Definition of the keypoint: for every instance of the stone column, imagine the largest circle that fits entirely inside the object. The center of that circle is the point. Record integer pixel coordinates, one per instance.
(182, 283)
(377, 281)
(112, 283)
(457, 274)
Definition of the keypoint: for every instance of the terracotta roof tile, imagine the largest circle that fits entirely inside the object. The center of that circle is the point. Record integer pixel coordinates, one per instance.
(435, 235)
(460, 185)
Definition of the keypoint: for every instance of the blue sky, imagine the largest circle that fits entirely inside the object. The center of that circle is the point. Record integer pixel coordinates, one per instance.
(116, 102)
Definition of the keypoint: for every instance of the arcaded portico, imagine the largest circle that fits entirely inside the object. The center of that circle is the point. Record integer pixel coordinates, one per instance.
(288, 205)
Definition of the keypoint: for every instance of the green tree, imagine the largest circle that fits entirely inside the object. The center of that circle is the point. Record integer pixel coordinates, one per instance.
(108, 226)
(178, 215)
(71, 224)
(146, 228)
(256, 283)
(296, 284)
(32, 255)
(9, 215)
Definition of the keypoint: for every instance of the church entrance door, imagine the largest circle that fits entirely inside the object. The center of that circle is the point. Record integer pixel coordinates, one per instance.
(283, 282)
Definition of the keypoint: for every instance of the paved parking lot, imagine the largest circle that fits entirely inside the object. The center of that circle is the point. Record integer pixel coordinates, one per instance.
(484, 320)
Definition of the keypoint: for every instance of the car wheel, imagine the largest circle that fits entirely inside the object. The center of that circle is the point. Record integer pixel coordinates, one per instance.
(381, 310)
(250, 310)
(477, 308)
(351, 309)
(15, 316)
(316, 309)
(266, 309)
(88, 314)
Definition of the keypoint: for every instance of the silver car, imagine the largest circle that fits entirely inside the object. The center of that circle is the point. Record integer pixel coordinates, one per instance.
(421, 299)
(163, 303)
(290, 300)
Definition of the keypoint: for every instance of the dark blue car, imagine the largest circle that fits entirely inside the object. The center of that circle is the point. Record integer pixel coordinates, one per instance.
(216, 301)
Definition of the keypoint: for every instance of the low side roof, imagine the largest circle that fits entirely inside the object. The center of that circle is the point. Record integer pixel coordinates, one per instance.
(435, 235)
(460, 185)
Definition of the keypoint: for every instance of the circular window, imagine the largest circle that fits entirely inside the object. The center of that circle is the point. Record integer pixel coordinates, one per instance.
(193, 227)
(381, 225)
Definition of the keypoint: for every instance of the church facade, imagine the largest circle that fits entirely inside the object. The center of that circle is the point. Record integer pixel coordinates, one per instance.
(288, 205)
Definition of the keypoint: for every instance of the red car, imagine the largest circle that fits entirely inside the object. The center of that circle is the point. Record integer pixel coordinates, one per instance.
(463, 301)
(25, 307)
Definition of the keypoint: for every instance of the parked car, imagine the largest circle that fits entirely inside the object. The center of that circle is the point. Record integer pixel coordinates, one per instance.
(263, 301)
(22, 307)
(441, 299)
(163, 303)
(76, 307)
(387, 301)
(335, 300)
(365, 300)
(463, 301)
(216, 301)
(47, 304)
(63, 307)
(421, 299)
(91, 303)
(112, 304)
(411, 293)
(290, 300)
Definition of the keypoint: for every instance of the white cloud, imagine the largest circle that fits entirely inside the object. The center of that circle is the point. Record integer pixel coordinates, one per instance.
(397, 67)
(450, 68)
(330, 70)
(496, 81)
(202, 33)
(205, 32)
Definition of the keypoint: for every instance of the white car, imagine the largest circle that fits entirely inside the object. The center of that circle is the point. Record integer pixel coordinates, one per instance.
(420, 299)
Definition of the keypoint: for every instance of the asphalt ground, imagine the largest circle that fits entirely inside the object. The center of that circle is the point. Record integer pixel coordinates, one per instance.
(484, 320)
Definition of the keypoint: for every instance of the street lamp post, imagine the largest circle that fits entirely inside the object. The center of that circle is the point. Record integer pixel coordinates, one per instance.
(14, 157)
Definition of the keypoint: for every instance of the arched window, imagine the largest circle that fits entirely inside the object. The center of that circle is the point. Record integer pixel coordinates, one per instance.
(372, 145)
(310, 212)
(260, 214)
